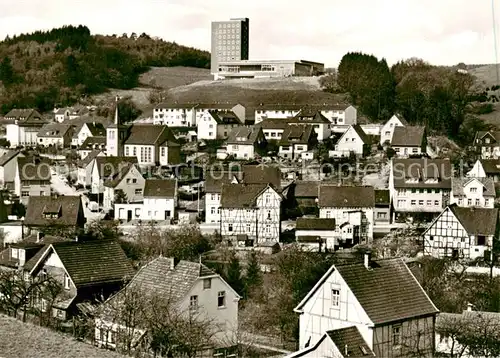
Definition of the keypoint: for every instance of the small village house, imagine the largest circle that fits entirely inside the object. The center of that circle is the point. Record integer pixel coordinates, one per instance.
(478, 192)
(487, 144)
(382, 299)
(61, 115)
(354, 140)
(486, 168)
(276, 111)
(129, 181)
(352, 208)
(105, 167)
(460, 232)
(245, 143)
(55, 135)
(382, 211)
(217, 125)
(296, 140)
(92, 144)
(84, 168)
(8, 164)
(273, 128)
(316, 234)
(409, 140)
(32, 178)
(213, 188)
(387, 129)
(314, 118)
(86, 130)
(238, 110)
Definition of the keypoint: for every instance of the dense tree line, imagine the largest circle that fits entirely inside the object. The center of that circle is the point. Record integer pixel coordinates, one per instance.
(57, 67)
(439, 98)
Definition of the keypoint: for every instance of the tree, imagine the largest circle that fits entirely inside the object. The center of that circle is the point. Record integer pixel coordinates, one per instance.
(233, 274)
(7, 74)
(120, 196)
(253, 277)
(328, 83)
(127, 110)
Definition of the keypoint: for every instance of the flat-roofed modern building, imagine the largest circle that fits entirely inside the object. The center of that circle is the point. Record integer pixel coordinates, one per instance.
(230, 41)
(267, 68)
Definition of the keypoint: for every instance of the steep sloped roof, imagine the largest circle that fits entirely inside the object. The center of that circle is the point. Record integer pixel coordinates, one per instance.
(333, 196)
(240, 195)
(408, 136)
(420, 170)
(244, 135)
(349, 340)
(262, 174)
(458, 184)
(160, 188)
(67, 207)
(33, 169)
(7, 157)
(477, 221)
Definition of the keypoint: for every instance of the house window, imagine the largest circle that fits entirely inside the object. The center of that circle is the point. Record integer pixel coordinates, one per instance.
(207, 283)
(473, 190)
(14, 253)
(249, 228)
(477, 202)
(460, 201)
(269, 215)
(134, 151)
(126, 151)
(335, 297)
(67, 281)
(381, 215)
(413, 202)
(414, 150)
(162, 151)
(396, 335)
(138, 191)
(230, 227)
(210, 134)
(43, 305)
(268, 229)
(212, 210)
(486, 202)
(469, 202)
(25, 194)
(134, 181)
(193, 302)
(420, 202)
(436, 202)
(429, 202)
(221, 299)
(481, 240)
(43, 274)
(235, 147)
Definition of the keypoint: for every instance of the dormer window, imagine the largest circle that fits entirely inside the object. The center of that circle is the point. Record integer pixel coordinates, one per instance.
(431, 181)
(411, 180)
(67, 282)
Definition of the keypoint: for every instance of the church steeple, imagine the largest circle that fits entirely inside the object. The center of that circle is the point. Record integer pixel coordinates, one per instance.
(116, 110)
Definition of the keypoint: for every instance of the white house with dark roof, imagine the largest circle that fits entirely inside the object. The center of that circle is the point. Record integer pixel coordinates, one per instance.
(352, 208)
(61, 115)
(273, 128)
(354, 140)
(217, 124)
(382, 299)
(486, 168)
(190, 288)
(175, 114)
(420, 185)
(8, 163)
(321, 124)
(55, 135)
(487, 144)
(238, 110)
(213, 189)
(84, 168)
(105, 167)
(86, 130)
(387, 129)
(296, 141)
(23, 126)
(477, 192)
(316, 234)
(159, 203)
(244, 142)
(127, 179)
(250, 214)
(460, 232)
(409, 140)
(92, 144)
(32, 178)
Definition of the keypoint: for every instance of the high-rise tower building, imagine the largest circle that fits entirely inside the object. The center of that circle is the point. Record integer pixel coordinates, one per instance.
(230, 40)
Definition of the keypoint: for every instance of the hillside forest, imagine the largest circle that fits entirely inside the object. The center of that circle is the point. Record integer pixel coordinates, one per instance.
(58, 67)
(443, 99)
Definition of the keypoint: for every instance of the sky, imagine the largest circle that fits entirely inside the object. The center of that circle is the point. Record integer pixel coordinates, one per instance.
(442, 32)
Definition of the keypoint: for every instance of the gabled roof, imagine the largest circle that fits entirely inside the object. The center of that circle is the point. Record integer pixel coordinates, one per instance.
(33, 169)
(386, 290)
(350, 342)
(89, 158)
(458, 184)
(297, 135)
(495, 135)
(244, 135)
(408, 136)
(333, 196)
(361, 133)
(68, 208)
(160, 188)
(273, 123)
(108, 166)
(241, 195)
(399, 118)
(91, 142)
(490, 166)
(224, 117)
(7, 157)
(215, 179)
(150, 134)
(306, 189)
(96, 129)
(315, 224)
(476, 221)
(421, 173)
(262, 174)
(312, 116)
(91, 262)
(54, 130)
(24, 115)
(116, 177)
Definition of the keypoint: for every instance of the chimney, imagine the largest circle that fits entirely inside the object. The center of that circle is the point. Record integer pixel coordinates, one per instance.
(469, 307)
(368, 259)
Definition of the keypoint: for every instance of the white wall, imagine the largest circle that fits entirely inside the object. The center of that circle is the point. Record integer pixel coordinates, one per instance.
(353, 216)
(477, 170)
(212, 211)
(241, 151)
(350, 142)
(12, 134)
(423, 201)
(388, 129)
(473, 196)
(260, 114)
(207, 127)
(175, 117)
(156, 209)
(145, 154)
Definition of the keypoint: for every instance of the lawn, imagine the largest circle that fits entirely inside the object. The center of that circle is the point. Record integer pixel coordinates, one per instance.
(25, 340)
(170, 77)
(486, 75)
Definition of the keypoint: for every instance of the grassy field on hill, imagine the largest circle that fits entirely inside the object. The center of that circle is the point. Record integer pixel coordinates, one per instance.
(486, 75)
(25, 340)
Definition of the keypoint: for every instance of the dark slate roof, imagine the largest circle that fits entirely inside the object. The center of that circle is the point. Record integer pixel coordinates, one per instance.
(297, 135)
(332, 196)
(160, 188)
(150, 134)
(244, 135)
(90, 157)
(425, 171)
(54, 130)
(350, 339)
(97, 129)
(67, 206)
(24, 115)
(315, 224)
(33, 169)
(361, 133)
(458, 184)
(240, 195)
(311, 116)
(215, 179)
(91, 142)
(387, 291)
(382, 197)
(262, 174)
(306, 189)
(477, 221)
(225, 117)
(400, 118)
(107, 166)
(491, 166)
(116, 177)
(94, 262)
(408, 136)
(167, 105)
(273, 123)
(7, 157)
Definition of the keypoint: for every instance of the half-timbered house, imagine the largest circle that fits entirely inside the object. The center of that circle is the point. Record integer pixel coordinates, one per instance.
(462, 233)
(383, 299)
(250, 213)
